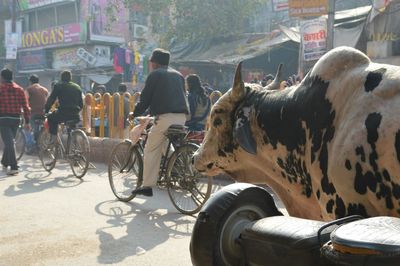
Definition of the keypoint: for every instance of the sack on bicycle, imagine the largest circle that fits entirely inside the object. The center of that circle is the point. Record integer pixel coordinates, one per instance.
(136, 131)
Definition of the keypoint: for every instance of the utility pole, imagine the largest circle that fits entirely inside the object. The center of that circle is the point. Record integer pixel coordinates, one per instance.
(330, 25)
(14, 16)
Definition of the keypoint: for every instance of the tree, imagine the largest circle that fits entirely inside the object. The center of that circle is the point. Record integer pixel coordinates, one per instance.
(190, 20)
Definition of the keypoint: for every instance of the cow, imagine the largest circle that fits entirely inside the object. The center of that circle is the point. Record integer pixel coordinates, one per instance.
(329, 146)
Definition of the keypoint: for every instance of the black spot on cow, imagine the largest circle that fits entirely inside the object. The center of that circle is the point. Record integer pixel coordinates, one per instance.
(357, 209)
(397, 145)
(340, 210)
(221, 153)
(360, 152)
(329, 206)
(371, 181)
(372, 124)
(386, 175)
(359, 181)
(396, 190)
(295, 171)
(348, 165)
(217, 122)
(373, 79)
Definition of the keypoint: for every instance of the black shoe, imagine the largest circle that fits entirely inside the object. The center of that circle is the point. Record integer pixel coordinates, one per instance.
(145, 191)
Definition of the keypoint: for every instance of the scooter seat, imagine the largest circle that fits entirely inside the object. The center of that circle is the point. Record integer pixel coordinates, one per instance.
(373, 236)
(284, 240)
(372, 241)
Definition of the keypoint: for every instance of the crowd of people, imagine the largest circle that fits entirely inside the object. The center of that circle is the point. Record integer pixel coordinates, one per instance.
(32, 104)
(167, 95)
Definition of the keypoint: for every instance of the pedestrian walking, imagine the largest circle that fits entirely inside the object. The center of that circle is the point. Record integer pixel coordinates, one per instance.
(12, 101)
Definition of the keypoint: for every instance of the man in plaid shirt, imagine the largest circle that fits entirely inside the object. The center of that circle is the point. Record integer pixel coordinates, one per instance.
(12, 102)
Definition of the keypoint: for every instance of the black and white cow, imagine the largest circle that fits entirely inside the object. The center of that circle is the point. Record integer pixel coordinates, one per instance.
(329, 147)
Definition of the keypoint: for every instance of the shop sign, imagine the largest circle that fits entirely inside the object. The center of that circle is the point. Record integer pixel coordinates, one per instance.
(308, 8)
(29, 4)
(29, 60)
(80, 57)
(313, 33)
(72, 33)
(280, 5)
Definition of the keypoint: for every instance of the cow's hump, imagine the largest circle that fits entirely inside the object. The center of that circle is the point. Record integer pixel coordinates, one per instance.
(338, 60)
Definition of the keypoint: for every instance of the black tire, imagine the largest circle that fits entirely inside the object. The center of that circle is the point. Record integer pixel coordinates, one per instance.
(187, 188)
(79, 150)
(223, 218)
(20, 143)
(125, 170)
(48, 155)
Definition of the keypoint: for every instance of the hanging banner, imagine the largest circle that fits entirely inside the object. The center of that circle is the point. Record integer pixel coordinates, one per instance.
(313, 34)
(308, 8)
(101, 28)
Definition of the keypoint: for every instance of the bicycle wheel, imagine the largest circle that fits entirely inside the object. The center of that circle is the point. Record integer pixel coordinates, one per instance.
(125, 170)
(79, 149)
(187, 188)
(20, 143)
(47, 154)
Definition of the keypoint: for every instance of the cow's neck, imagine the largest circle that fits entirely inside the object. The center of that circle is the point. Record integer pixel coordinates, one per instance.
(296, 126)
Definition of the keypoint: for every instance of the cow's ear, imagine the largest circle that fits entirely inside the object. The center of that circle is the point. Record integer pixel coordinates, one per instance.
(242, 131)
(238, 90)
(277, 80)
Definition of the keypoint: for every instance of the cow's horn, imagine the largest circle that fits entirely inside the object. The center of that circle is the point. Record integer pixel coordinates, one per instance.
(238, 90)
(277, 80)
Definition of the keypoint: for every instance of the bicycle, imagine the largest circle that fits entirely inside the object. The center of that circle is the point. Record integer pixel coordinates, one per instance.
(188, 190)
(20, 141)
(76, 151)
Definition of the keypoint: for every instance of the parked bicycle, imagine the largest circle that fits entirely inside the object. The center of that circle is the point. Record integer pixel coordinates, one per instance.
(187, 188)
(76, 151)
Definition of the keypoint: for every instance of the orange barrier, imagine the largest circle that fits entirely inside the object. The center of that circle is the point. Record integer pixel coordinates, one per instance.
(99, 118)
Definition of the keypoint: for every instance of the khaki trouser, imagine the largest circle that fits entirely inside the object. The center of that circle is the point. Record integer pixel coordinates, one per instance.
(155, 145)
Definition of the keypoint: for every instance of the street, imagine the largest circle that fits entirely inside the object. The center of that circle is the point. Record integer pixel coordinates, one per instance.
(56, 219)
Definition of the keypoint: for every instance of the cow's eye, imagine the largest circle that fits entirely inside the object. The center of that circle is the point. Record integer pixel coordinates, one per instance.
(217, 122)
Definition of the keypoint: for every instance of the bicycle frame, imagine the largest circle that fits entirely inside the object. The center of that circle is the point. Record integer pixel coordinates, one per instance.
(65, 150)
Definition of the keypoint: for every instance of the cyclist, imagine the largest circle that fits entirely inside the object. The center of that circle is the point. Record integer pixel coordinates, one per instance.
(37, 96)
(69, 96)
(164, 95)
(12, 101)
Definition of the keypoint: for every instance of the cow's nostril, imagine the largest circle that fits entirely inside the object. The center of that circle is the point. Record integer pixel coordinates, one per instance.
(210, 165)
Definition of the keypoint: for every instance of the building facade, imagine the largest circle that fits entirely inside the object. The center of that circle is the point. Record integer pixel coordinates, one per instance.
(75, 35)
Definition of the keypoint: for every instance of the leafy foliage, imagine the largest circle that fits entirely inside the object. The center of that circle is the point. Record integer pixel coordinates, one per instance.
(198, 19)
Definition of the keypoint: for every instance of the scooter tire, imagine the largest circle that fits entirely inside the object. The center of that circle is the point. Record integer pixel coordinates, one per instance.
(222, 219)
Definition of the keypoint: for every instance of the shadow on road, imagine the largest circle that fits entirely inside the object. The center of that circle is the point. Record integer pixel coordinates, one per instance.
(37, 179)
(145, 228)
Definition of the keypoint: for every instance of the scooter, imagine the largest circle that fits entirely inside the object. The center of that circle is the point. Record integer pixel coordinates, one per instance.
(241, 225)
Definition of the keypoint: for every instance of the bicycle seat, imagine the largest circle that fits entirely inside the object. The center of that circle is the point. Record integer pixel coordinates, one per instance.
(377, 239)
(177, 129)
(71, 123)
